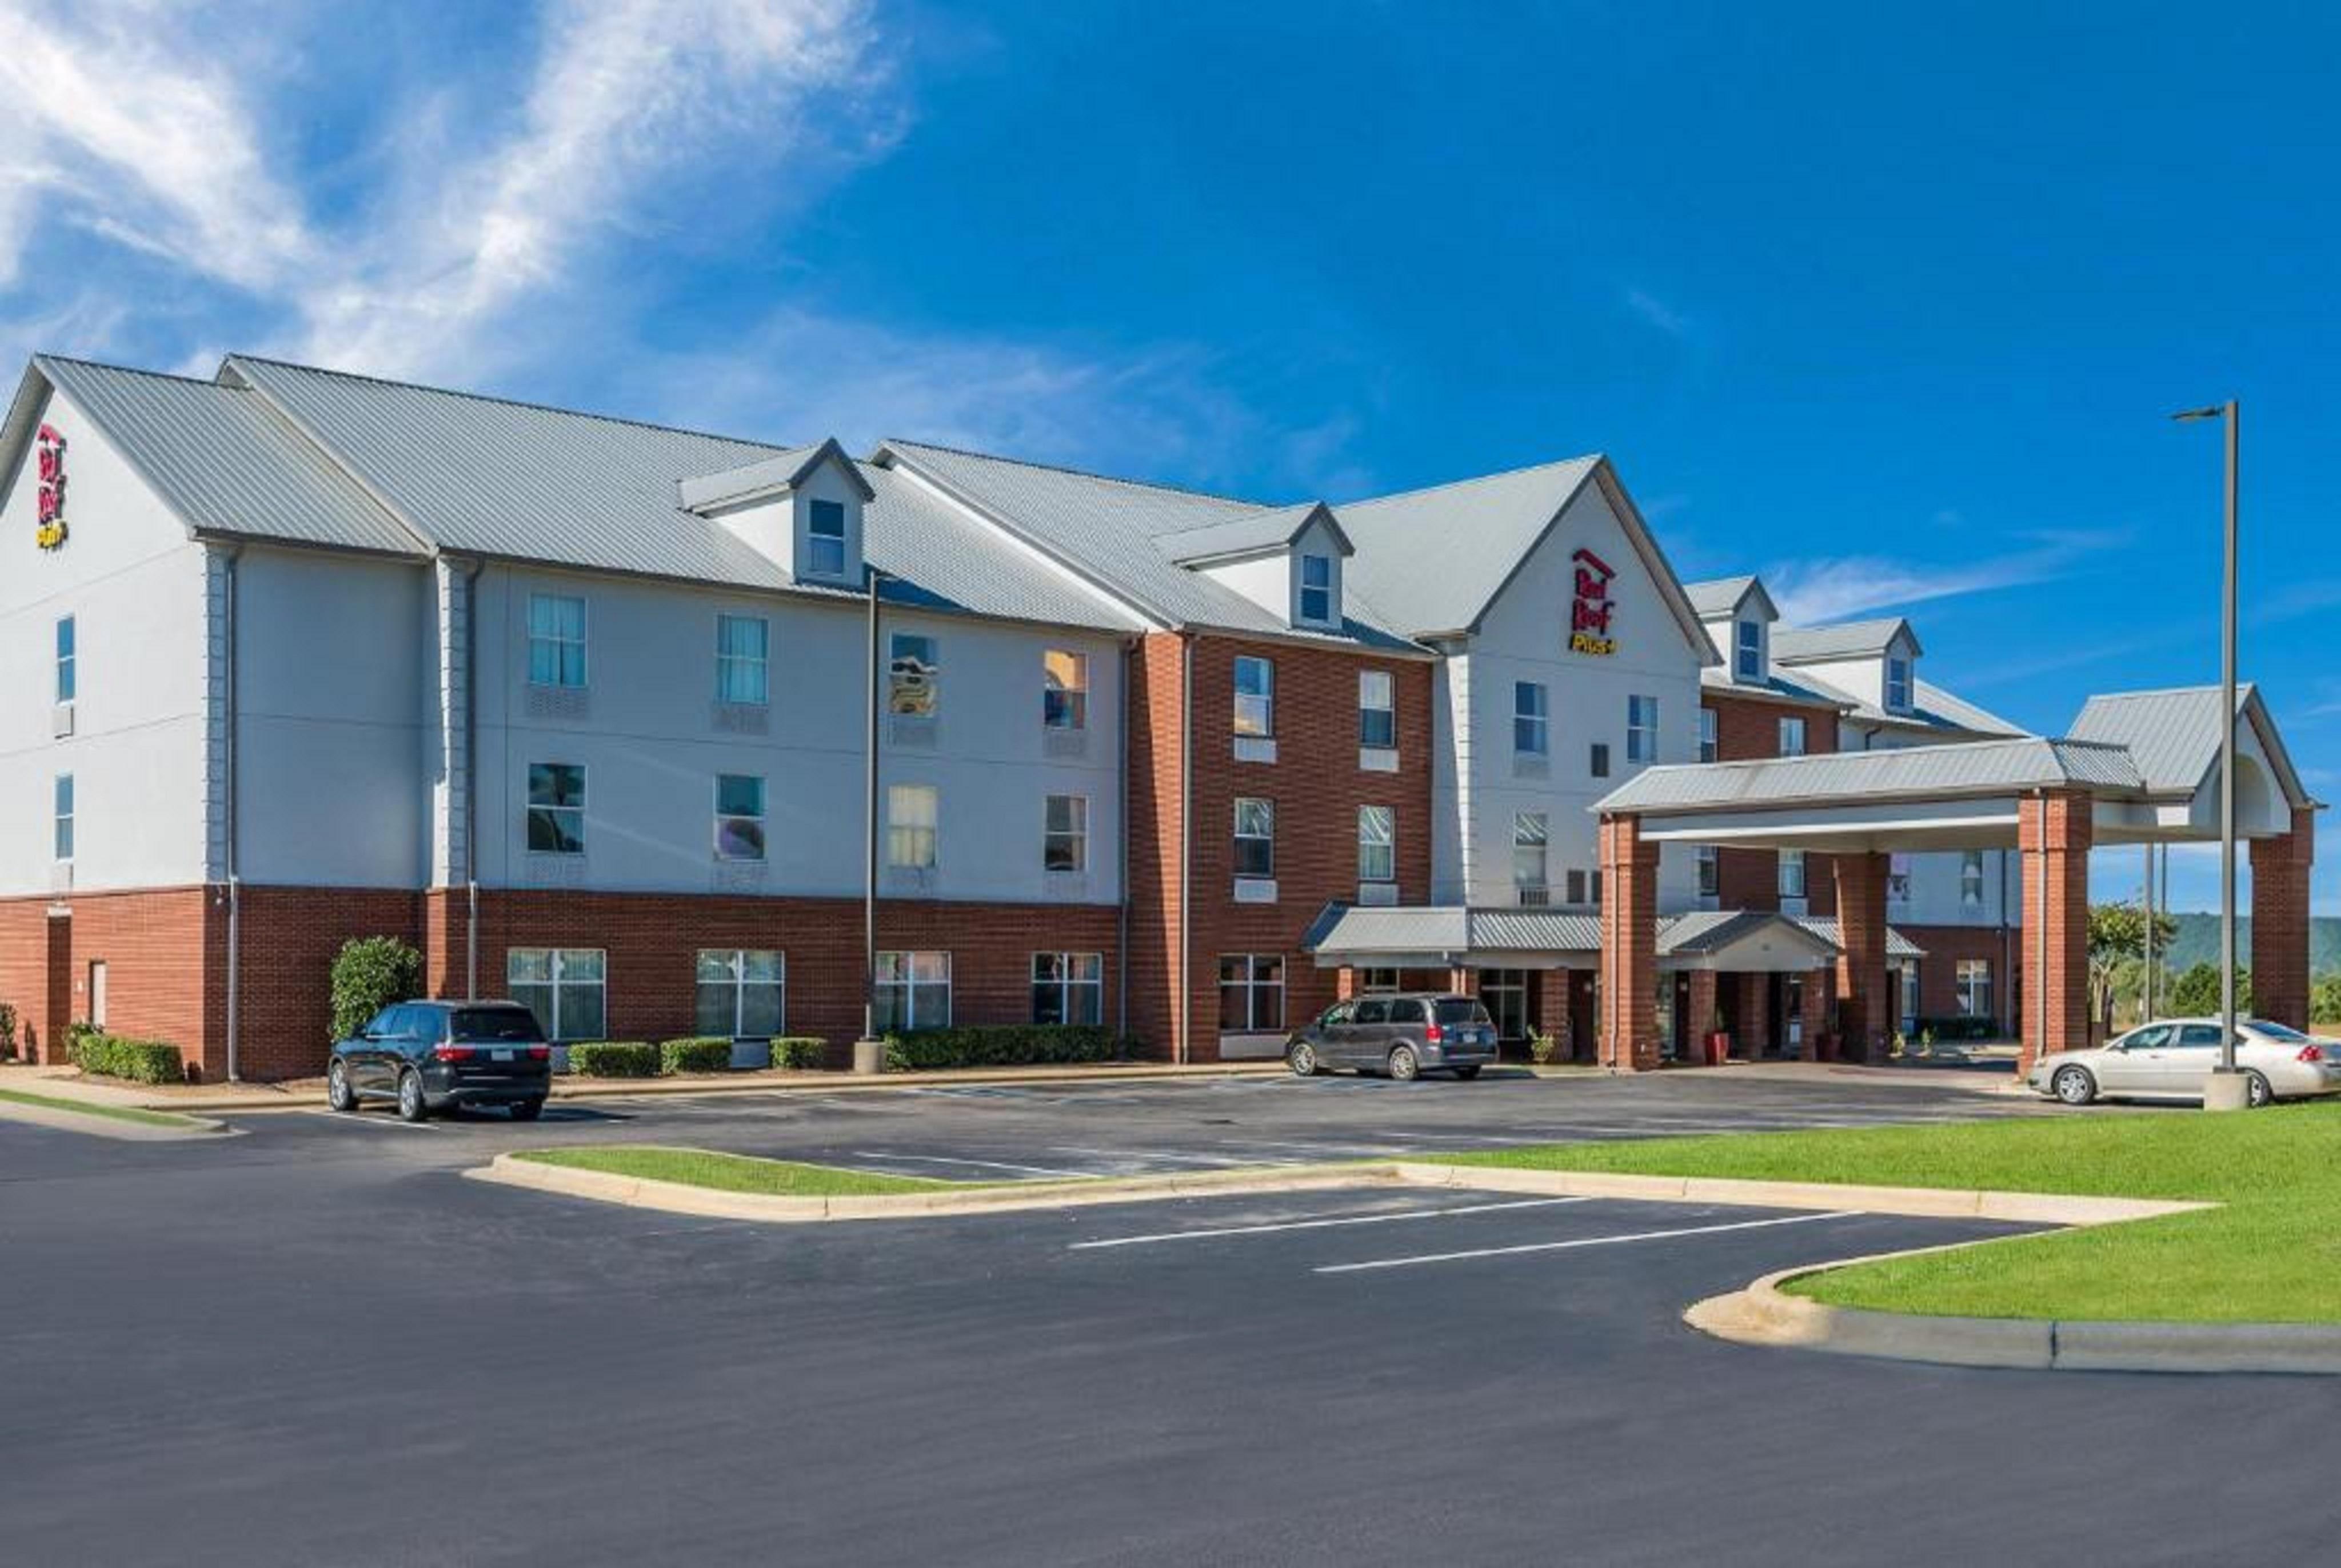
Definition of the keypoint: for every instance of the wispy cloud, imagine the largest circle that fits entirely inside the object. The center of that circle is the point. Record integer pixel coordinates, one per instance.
(1657, 312)
(1834, 588)
(2292, 601)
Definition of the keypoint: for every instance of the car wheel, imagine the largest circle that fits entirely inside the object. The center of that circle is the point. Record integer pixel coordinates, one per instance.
(527, 1110)
(2074, 1086)
(1468, 1074)
(1403, 1064)
(2259, 1091)
(1302, 1059)
(338, 1093)
(411, 1107)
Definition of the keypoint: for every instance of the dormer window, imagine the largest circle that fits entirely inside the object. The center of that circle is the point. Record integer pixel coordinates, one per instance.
(825, 539)
(1317, 590)
(1748, 650)
(1898, 683)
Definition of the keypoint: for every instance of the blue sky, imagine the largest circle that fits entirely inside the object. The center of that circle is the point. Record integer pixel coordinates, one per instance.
(1887, 303)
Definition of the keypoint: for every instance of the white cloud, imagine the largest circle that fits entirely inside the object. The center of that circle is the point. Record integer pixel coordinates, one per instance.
(1836, 588)
(1657, 312)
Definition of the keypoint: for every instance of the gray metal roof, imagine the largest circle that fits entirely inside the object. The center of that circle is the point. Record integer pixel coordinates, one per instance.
(1717, 595)
(1776, 688)
(224, 460)
(1701, 931)
(1259, 533)
(1451, 930)
(2175, 735)
(1852, 640)
(1897, 945)
(1432, 560)
(784, 471)
(1850, 778)
(1931, 709)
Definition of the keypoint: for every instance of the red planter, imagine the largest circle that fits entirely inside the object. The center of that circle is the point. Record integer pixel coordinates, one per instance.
(1719, 1047)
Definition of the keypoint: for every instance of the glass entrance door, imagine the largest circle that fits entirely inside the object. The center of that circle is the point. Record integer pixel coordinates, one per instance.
(1505, 994)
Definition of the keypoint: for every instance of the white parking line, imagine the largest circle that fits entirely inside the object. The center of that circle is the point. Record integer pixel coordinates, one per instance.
(1129, 1156)
(980, 1165)
(1322, 1149)
(359, 1119)
(1323, 1223)
(1582, 1241)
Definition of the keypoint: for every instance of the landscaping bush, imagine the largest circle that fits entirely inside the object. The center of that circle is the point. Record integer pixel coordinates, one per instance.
(613, 1059)
(801, 1052)
(1958, 1027)
(140, 1061)
(370, 973)
(2196, 992)
(7, 1032)
(77, 1031)
(1000, 1045)
(703, 1054)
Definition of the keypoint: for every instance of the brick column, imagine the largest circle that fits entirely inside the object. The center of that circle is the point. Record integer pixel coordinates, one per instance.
(1864, 1004)
(1700, 1005)
(2054, 832)
(1812, 1011)
(2279, 958)
(1755, 1035)
(1345, 983)
(1548, 1002)
(1629, 946)
(1463, 982)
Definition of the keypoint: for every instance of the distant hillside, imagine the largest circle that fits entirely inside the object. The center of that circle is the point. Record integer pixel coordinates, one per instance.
(2198, 942)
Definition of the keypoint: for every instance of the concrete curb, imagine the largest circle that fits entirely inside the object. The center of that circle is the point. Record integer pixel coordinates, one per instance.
(97, 1124)
(1763, 1314)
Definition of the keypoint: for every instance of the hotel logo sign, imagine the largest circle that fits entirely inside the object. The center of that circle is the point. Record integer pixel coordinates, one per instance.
(49, 448)
(1588, 614)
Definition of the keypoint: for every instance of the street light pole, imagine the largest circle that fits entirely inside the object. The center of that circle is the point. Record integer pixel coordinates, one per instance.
(2227, 1091)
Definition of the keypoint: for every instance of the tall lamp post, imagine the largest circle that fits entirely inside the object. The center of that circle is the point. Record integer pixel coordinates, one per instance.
(2229, 1089)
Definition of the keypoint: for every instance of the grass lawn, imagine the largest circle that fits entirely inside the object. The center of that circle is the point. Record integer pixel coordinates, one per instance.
(2272, 1253)
(737, 1173)
(116, 1113)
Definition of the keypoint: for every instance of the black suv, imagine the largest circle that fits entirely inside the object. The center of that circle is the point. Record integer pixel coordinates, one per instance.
(434, 1056)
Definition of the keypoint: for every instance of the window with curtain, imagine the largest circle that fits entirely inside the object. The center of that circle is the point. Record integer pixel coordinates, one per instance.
(564, 987)
(1255, 709)
(914, 992)
(556, 640)
(739, 816)
(912, 815)
(1377, 709)
(1064, 689)
(743, 660)
(741, 993)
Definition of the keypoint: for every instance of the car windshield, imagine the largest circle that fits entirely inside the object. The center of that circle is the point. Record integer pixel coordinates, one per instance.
(1459, 1011)
(2268, 1030)
(505, 1024)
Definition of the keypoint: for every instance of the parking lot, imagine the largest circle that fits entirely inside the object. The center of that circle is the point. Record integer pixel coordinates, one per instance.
(314, 1342)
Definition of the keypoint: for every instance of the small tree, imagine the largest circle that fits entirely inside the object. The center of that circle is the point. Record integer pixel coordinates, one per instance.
(370, 973)
(2197, 992)
(2324, 999)
(2117, 948)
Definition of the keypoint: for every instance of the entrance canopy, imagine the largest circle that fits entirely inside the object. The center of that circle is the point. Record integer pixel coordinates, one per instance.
(1451, 936)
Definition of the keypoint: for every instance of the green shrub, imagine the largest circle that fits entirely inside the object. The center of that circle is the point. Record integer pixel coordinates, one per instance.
(613, 1059)
(1000, 1045)
(2196, 992)
(801, 1052)
(1957, 1028)
(702, 1054)
(7, 1032)
(1542, 1049)
(76, 1032)
(140, 1061)
(370, 973)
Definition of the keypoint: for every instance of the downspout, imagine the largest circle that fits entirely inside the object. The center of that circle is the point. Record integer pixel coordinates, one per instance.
(868, 1054)
(1122, 851)
(1186, 834)
(471, 780)
(228, 785)
(2007, 952)
(2038, 987)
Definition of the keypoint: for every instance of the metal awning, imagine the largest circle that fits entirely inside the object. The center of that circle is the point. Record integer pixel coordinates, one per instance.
(1453, 936)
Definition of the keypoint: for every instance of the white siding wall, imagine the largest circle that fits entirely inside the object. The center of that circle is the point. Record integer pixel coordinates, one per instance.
(134, 584)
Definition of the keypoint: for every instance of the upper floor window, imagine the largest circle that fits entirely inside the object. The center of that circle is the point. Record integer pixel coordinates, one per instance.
(556, 808)
(1792, 873)
(913, 676)
(1748, 650)
(1971, 879)
(1255, 696)
(739, 816)
(825, 538)
(1065, 834)
(1897, 878)
(1897, 684)
(1598, 760)
(556, 640)
(1641, 729)
(912, 815)
(1377, 844)
(65, 659)
(62, 844)
(1710, 871)
(1792, 738)
(1255, 838)
(1529, 848)
(1317, 590)
(1064, 689)
(743, 659)
(1377, 711)
(1709, 746)
(1531, 726)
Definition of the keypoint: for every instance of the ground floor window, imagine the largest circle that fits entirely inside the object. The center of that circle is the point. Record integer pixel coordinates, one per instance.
(914, 992)
(1909, 996)
(1252, 993)
(1068, 989)
(742, 994)
(565, 987)
(1377, 982)
(1975, 987)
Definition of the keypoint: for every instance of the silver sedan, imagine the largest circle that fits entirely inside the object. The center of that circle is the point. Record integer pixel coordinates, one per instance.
(2172, 1058)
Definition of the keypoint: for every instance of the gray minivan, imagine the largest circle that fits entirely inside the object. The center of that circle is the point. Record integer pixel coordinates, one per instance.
(1403, 1036)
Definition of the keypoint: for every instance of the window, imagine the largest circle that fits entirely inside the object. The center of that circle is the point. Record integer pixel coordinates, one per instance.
(739, 816)
(825, 538)
(911, 676)
(1255, 697)
(914, 992)
(1792, 738)
(1710, 879)
(1792, 873)
(1575, 889)
(1068, 989)
(1529, 848)
(1532, 728)
(1708, 744)
(564, 986)
(742, 994)
(1748, 650)
(1971, 879)
(1377, 709)
(910, 817)
(64, 838)
(1377, 982)
(1377, 844)
(1598, 760)
(556, 640)
(1317, 590)
(1897, 684)
(1066, 834)
(1255, 838)
(65, 659)
(556, 808)
(1064, 689)
(743, 660)
(1641, 729)
(1897, 878)
(1975, 987)
(1252, 993)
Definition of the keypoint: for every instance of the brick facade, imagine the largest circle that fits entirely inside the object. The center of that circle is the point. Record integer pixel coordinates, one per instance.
(1866, 1001)
(1939, 970)
(1629, 942)
(1748, 728)
(153, 945)
(2279, 959)
(2054, 833)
